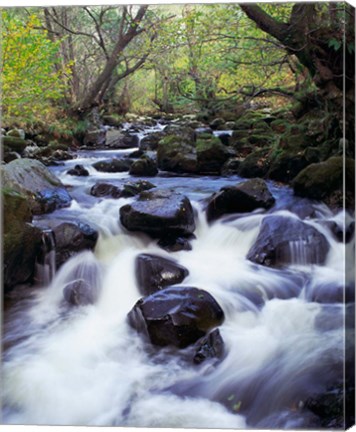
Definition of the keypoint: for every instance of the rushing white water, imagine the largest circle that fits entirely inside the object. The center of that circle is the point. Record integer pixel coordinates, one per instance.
(86, 366)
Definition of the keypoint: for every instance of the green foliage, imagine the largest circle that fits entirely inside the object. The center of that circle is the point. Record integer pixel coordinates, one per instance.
(30, 82)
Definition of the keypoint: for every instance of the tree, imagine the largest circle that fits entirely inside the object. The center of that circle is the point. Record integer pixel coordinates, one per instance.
(314, 33)
(30, 80)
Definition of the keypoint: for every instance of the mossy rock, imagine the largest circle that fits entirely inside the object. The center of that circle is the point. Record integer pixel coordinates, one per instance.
(177, 153)
(286, 165)
(324, 182)
(21, 240)
(113, 120)
(43, 190)
(14, 143)
(256, 164)
(55, 145)
(211, 155)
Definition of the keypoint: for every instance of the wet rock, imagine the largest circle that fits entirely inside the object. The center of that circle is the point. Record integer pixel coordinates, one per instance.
(95, 138)
(339, 232)
(82, 283)
(330, 406)
(177, 316)
(230, 167)
(130, 189)
(330, 293)
(113, 165)
(78, 170)
(284, 240)
(255, 164)
(145, 167)
(177, 153)
(12, 143)
(105, 190)
(324, 181)
(209, 347)
(70, 238)
(150, 142)
(211, 155)
(174, 244)
(20, 241)
(224, 138)
(44, 191)
(136, 154)
(120, 140)
(286, 166)
(10, 156)
(245, 197)
(155, 273)
(159, 213)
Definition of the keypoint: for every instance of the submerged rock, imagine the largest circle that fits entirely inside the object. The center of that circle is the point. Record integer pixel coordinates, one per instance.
(159, 213)
(105, 190)
(283, 240)
(209, 347)
(175, 244)
(113, 165)
(155, 273)
(177, 316)
(78, 170)
(245, 197)
(44, 191)
(82, 282)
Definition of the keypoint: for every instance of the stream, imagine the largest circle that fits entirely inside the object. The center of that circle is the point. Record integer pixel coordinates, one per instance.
(87, 366)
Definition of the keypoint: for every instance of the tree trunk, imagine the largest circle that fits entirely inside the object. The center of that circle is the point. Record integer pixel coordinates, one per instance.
(100, 85)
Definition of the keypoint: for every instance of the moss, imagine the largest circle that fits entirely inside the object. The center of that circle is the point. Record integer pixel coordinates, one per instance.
(207, 144)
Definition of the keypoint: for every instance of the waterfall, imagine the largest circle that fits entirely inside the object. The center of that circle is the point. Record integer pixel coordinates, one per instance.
(46, 259)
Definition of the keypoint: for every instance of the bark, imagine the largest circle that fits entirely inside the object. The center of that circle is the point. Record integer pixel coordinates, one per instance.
(95, 93)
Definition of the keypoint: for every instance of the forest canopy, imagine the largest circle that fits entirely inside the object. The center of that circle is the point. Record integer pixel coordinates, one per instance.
(173, 58)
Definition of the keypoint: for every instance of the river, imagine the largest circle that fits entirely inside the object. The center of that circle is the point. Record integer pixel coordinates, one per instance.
(87, 366)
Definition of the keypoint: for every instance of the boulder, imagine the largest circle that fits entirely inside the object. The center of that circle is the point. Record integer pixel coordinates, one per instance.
(230, 167)
(21, 241)
(113, 165)
(12, 143)
(159, 213)
(120, 140)
(70, 237)
(177, 316)
(105, 190)
(177, 153)
(174, 244)
(255, 164)
(131, 189)
(211, 155)
(284, 240)
(286, 165)
(155, 273)
(150, 142)
(245, 197)
(44, 191)
(324, 181)
(145, 167)
(78, 170)
(95, 138)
